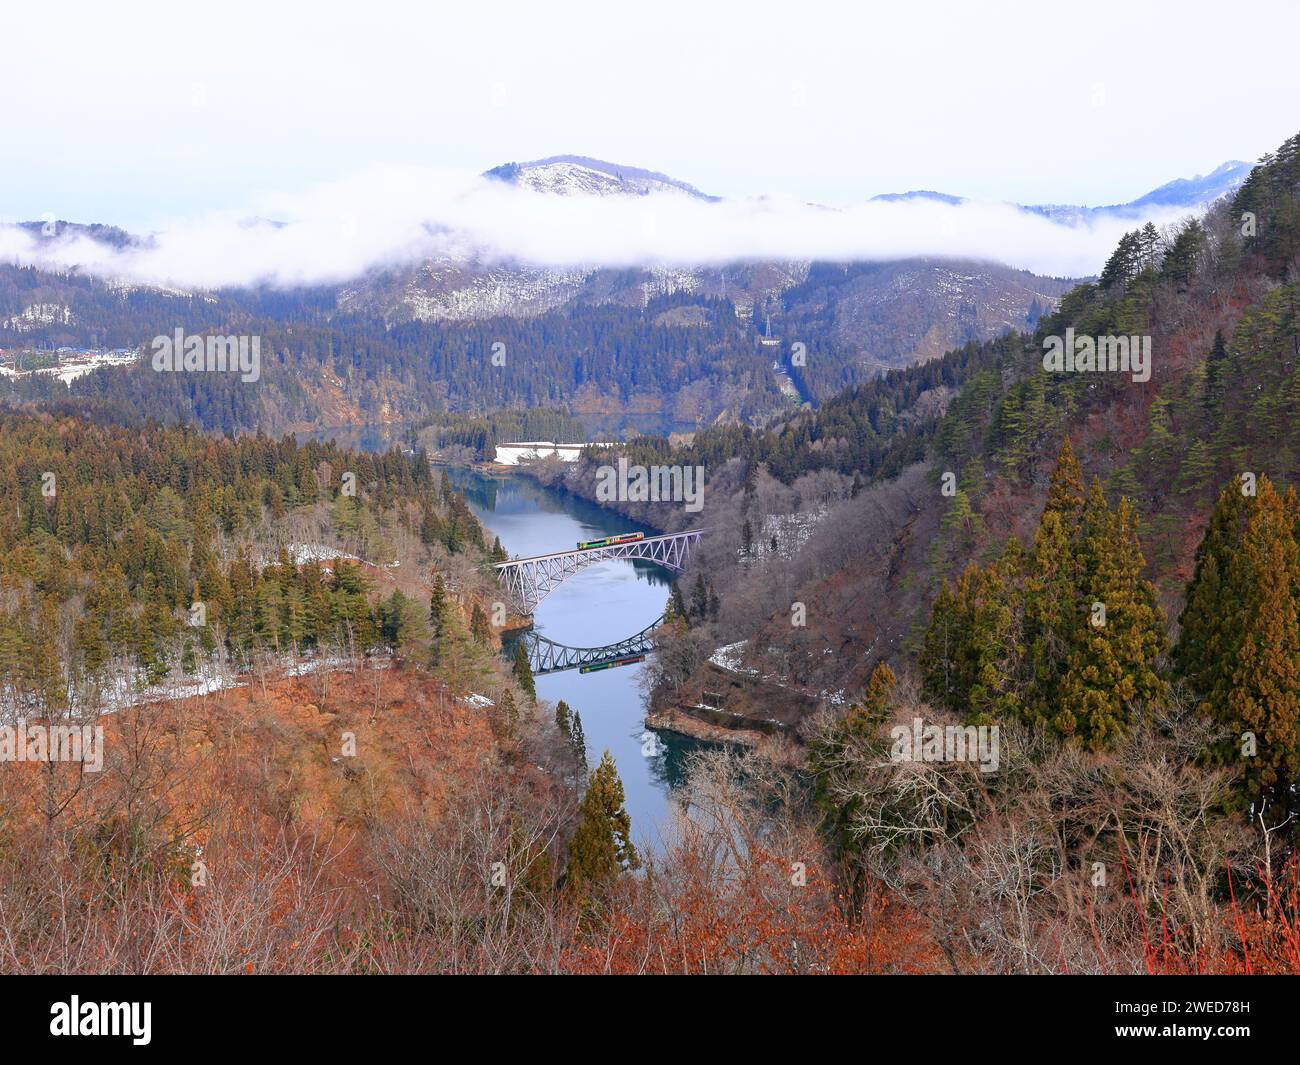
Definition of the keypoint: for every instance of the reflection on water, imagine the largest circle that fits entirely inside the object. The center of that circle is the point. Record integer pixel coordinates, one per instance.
(598, 606)
(547, 656)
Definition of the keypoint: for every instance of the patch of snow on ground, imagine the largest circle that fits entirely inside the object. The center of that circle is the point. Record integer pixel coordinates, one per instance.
(328, 664)
(304, 553)
(790, 531)
(729, 658)
(123, 694)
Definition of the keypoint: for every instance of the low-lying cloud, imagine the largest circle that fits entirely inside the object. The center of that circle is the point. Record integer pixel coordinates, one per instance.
(339, 231)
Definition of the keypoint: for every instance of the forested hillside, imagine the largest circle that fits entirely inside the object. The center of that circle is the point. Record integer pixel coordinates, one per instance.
(313, 758)
(988, 421)
(681, 360)
(675, 356)
(857, 320)
(1103, 565)
(130, 557)
(1217, 422)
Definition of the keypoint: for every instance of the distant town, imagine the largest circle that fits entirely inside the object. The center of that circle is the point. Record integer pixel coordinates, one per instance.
(67, 364)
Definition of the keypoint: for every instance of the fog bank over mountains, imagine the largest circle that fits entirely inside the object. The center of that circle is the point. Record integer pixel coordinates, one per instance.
(572, 211)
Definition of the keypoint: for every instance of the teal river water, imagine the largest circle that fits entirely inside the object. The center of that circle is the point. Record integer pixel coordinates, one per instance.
(598, 606)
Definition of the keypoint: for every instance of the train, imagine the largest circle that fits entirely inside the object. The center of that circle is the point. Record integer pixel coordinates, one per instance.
(627, 660)
(610, 541)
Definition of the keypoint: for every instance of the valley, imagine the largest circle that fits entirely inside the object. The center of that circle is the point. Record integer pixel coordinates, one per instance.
(859, 537)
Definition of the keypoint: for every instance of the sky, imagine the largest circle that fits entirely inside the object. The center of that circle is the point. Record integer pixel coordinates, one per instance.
(164, 117)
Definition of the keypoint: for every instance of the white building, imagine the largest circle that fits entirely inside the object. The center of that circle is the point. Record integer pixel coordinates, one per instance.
(513, 454)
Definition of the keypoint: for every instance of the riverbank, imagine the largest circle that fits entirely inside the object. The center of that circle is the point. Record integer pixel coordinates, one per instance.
(595, 607)
(707, 725)
(723, 703)
(728, 705)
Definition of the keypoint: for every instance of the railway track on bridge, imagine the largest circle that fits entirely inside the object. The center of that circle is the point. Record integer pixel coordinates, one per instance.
(530, 580)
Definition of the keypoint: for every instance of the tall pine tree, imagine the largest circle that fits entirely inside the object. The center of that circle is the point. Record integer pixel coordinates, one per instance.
(601, 847)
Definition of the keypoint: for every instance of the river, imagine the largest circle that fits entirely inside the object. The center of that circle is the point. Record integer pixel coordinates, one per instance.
(598, 606)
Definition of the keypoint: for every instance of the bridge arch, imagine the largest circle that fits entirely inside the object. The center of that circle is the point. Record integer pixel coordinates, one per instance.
(530, 580)
(547, 656)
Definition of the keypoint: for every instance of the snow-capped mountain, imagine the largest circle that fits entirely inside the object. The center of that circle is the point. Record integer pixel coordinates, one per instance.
(579, 175)
(1191, 193)
(464, 289)
(876, 314)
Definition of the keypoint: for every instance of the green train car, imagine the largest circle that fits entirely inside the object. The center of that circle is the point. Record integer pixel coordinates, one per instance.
(596, 667)
(610, 541)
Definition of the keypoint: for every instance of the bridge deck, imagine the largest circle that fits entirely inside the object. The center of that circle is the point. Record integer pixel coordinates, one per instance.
(590, 550)
(527, 581)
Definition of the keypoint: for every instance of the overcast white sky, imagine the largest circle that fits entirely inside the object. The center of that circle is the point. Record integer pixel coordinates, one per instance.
(365, 123)
(135, 112)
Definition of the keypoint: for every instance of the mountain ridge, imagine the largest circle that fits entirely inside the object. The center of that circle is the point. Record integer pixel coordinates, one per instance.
(558, 174)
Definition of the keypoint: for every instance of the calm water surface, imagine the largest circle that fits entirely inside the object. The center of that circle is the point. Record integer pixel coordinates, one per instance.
(600, 605)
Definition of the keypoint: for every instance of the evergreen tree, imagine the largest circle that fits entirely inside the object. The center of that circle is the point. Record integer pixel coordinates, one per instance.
(1180, 262)
(1065, 493)
(89, 639)
(1239, 647)
(437, 620)
(1053, 607)
(1206, 625)
(880, 691)
(43, 665)
(1198, 467)
(1069, 637)
(601, 847)
(569, 725)
(699, 598)
(1148, 247)
(579, 739)
(431, 527)
(1114, 662)
(855, 740)
(1263, 694)
(677, 605)
(961, 518)
(1124, 262)
(969, 656)
(479, 628)
(523, 672)
(507, 717)
(1216, 370)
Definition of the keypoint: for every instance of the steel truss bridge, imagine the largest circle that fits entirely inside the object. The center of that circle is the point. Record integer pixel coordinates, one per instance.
(547, 656)
(530, 580)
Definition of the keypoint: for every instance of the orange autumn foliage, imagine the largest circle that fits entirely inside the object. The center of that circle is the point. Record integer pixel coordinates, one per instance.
(766, 916)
